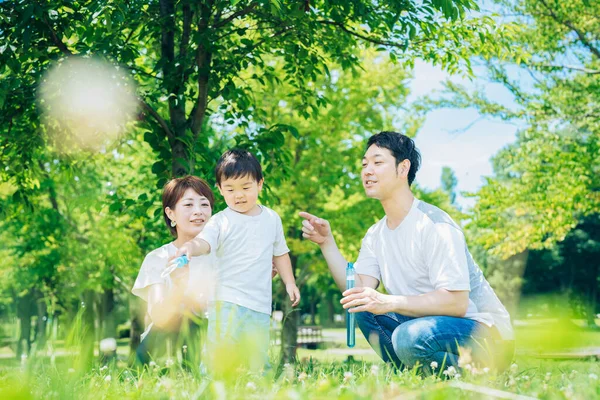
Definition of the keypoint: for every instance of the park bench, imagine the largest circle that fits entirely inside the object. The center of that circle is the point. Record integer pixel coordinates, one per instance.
(310, 336)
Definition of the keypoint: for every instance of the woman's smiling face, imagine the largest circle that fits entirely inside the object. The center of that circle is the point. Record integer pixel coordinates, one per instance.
(191, 213)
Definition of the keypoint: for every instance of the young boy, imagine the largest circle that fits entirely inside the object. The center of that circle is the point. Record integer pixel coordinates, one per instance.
(247, 239)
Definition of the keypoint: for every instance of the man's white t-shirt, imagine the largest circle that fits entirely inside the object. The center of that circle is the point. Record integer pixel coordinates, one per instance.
(426, 252)
(245, 246)
(200, 281)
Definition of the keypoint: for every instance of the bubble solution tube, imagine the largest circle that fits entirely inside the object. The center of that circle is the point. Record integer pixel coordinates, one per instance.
(177, 263)
(350, 317)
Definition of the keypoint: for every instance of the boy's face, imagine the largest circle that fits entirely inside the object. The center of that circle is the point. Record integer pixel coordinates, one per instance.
(241, 194)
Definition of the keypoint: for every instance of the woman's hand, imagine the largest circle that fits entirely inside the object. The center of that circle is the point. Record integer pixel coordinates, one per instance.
(181, 276)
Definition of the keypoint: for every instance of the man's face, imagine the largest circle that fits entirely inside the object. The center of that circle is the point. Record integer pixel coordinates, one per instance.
(241, 194)
(380, 176)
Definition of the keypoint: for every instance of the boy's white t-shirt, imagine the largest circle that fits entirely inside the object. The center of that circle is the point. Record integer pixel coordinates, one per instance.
(200, 282)
(426, 252)
(244, 247)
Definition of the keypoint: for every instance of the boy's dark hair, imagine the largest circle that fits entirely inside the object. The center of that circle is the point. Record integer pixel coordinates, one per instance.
(402, 148)
(237, 163)
(176, 188)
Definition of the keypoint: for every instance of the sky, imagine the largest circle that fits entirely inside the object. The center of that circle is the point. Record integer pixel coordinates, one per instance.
(449, 137)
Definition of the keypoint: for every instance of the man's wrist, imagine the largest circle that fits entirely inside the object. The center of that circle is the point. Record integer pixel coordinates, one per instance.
(327, 243)
(395, 304)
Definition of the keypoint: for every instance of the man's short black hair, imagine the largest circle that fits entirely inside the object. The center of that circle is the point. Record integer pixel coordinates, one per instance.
(402, 148)
(237, 163)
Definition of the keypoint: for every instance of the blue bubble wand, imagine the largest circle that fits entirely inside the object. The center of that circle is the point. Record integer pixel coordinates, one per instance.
(179, 262)
(350, 317)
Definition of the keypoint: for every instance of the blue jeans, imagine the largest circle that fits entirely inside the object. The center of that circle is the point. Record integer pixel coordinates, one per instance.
(234, 326)
(407, 342)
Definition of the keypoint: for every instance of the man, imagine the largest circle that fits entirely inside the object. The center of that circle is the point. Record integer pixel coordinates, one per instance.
(439, 306)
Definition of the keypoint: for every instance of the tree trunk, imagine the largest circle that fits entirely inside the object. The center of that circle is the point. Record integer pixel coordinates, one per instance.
(182, 163)
(592, 301)
(42, 320)
(107, 315)
(24, 314)
(289, 331)
(86, 345)
(108, 324)
(313, 309)
(330, 310)
(136, 316)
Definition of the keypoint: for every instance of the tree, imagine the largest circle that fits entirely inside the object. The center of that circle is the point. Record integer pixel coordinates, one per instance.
(191, 59)
(449, 183)
(547, 181)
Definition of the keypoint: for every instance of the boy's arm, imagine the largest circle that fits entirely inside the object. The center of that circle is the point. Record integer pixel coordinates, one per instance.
(283, 264)
(197, 247)
(194, 248)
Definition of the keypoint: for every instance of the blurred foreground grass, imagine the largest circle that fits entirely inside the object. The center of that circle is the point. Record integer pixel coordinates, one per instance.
(319, 374)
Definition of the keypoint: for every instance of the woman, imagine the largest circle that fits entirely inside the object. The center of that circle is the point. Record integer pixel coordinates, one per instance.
(176, 301)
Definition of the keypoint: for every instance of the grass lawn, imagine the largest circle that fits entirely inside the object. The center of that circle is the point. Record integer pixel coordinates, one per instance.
(319, 374)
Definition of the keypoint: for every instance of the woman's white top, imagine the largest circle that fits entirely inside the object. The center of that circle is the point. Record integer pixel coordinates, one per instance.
(200, 285)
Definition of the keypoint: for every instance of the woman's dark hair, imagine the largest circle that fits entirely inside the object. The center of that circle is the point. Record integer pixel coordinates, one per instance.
(237, 163)
(176, 188)
(402, 148)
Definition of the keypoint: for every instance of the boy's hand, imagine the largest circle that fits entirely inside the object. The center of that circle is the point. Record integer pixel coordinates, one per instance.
(294, 293)
(184, 249)
(171, 268)
(315, 229)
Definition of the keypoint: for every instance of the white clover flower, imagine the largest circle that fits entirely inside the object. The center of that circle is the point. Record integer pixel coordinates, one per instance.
(104, 368)
(108, 345)
(514, 368)
(169, 362)
(374, 369)
(450, 371)
(107, 378)
(433, 365)
(302, 377)
(525, 377)
(347, 376)
(465, 357)
(152, 364)
(593, 377)
(251, 386)
(457, 376)
(486, 370)
(572, 374)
